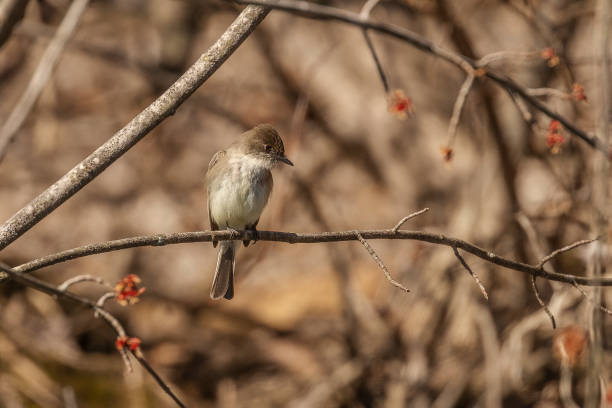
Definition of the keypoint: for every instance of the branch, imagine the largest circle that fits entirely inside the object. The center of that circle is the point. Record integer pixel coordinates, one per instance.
(569, 247)
(472, 273)
(44, 287)
(380, 263)
(139, 126)
(365, 14)
(458, 108)
(306, 238)
(42, 74)
(536, 292)
(409, 217)
(316, 11)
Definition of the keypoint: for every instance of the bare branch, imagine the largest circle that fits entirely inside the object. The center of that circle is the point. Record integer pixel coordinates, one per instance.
(130, 134)
(317, 11)
(508, 55)
(569, 247)
(409, 217)
(379, 262)
(458, 108)
(45, 287)
(472, 273)
(367, 8)
(365, 14)
(306, 238)
(532, 236)
(379, 68)
(591, 301)
(549, 92)
(104, 298)
(41, 75)
(82, 278)
(536, 292)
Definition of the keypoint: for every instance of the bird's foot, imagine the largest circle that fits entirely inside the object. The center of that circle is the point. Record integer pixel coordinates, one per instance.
(253, 232)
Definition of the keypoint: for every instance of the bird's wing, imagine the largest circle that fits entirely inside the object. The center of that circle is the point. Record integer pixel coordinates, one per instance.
(213, 161)
(215, 158)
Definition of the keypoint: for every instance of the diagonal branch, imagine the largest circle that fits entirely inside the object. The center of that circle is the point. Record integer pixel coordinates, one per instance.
(569, 247)
(51, 290)
(472, 273)
(42, 74)
(365, 14)
(133, 132)
(306, 238)
(536, 292)
(380, 263)
(317, 11)
(458, 108)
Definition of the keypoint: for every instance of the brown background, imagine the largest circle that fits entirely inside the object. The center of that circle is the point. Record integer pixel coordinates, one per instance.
(311, 324)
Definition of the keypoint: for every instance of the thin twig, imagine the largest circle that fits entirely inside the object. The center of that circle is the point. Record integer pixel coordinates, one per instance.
(306, 238)
(138, 356)
(379, 262)
(536, 292)
(42, 74)
(549, 92)
(118, 327)
(317, 11)
(472, 273)
(367, 8)
(49, 289)
(107, 296)
(524, 111)
(379, 68)
(591, 301)
(365, 14)
(569, 247)
(508, 55)
(135, 130)
(458, 108)
(82, 278)
(409, 217)
(532, 236)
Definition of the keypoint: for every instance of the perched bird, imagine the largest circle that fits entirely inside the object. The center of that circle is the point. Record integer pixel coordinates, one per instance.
(238, 183)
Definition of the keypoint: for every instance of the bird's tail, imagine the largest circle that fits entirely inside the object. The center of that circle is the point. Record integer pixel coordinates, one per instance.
(223, 282)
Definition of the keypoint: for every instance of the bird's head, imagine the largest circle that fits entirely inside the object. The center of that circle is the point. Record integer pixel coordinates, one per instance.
(264, 142)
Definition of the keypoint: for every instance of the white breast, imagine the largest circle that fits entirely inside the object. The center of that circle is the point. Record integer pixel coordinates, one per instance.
(241, 193)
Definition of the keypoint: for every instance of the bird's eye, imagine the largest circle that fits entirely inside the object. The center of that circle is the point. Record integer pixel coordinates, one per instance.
(268, 148)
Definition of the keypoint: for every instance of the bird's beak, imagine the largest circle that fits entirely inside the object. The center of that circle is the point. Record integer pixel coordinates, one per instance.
(284, 160)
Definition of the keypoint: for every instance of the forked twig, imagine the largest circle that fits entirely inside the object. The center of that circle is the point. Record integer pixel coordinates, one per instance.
(379, 262)
(51, 290)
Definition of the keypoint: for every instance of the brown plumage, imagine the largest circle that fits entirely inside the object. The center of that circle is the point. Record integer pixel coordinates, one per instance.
(238, 183)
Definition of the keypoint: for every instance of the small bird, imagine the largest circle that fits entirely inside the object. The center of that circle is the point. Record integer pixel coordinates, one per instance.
(238, 184)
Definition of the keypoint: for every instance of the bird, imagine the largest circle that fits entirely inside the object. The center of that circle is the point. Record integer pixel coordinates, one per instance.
(238, 185)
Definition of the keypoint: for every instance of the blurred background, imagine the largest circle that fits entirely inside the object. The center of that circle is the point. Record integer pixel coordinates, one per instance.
(311, 325)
